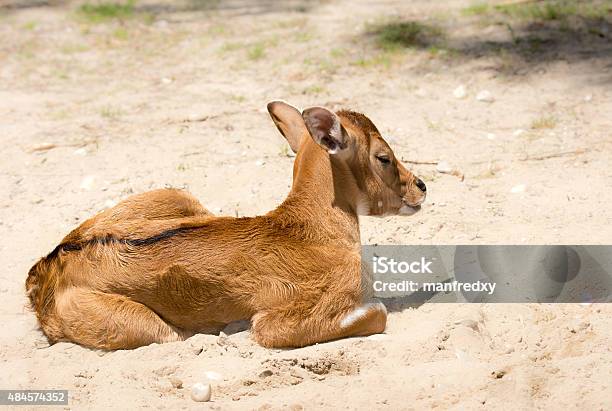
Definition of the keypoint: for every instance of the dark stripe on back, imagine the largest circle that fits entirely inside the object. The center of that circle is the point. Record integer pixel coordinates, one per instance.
(135, 242)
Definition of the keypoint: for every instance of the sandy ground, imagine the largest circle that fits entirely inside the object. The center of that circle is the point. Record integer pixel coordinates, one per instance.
(174, 95)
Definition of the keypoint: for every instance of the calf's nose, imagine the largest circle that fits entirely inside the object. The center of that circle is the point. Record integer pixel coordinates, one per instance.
(421, 185)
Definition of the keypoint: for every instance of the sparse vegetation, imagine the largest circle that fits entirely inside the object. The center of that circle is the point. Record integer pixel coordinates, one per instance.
(337, 53)
(230, 46)
(72, 48)
(30, 25)
(121, 34)
(547, 10)
(103, 11)
(238, 98)
(476, 9)
(303, 36)
(384, 59)
(404, 34)
(217, 30)
(314, 89)
(257, 51)
(544, 122)
(110, 112)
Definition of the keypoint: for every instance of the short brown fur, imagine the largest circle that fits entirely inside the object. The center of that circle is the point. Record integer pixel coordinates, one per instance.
(159, 267)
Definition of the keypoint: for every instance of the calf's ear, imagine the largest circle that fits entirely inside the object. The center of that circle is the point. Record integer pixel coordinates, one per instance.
(289, 122)
(325, 128)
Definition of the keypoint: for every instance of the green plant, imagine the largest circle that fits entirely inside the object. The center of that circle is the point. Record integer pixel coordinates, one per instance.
(401, 34)
(476, 9)
(257, 51)
(544, 122)
(102, 11)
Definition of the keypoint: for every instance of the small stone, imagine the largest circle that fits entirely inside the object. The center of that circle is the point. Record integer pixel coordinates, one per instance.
(460, 92)
(588, 98)
(485, 96)
(519, 132)
(421, 92)
(165, 386)
(166, 80)
(80, 152)
(87, 182)
(444, 167)
(195, 117)
(200, 392)
(518, 189)
(498, 374)
(265, 374)
(109, 203)
(491, 136)
(175, 381)
(213, 376)
(260, 163)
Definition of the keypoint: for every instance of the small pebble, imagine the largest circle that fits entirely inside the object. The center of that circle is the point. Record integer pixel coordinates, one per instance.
(80, 152)
(443, 167)
(519, 132)
(460, 92)
(260, 163)
(87, 182)
(195, 117)
(518, 188)
(213, 376)
(176, 382)
(165, 386)
(166, 80)
(265, 374)
(200, 392)
(485, 96)
(421, 92)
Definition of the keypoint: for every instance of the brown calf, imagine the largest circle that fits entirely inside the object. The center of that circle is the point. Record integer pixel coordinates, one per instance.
(159, 267)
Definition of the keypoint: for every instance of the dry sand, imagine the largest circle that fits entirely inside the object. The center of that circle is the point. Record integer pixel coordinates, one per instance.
(174, 96)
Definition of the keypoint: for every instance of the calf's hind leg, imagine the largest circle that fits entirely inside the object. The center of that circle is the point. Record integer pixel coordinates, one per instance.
(110, 321)
(159, 204)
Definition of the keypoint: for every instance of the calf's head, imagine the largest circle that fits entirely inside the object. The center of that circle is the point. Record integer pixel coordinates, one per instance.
(384, 186)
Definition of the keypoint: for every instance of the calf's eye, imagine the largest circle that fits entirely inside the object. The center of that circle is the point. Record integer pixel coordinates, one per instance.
(383, 159)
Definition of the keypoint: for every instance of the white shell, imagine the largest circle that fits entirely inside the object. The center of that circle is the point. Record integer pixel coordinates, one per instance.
(200, 392)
